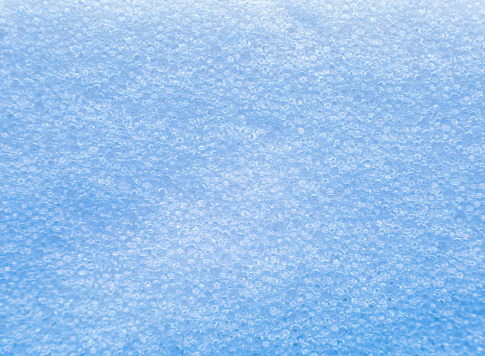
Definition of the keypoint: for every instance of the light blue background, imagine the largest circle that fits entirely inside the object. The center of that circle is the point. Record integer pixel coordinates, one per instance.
(242, 178)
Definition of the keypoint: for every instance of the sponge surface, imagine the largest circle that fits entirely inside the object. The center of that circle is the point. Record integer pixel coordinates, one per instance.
(242, 177)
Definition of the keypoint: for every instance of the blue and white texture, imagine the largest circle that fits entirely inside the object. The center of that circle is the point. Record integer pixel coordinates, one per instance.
(242, 177)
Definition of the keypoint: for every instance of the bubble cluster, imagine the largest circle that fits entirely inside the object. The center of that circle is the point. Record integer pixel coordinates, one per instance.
(242, 178)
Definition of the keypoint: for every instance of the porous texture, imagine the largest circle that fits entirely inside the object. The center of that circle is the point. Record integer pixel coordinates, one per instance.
(242, 178)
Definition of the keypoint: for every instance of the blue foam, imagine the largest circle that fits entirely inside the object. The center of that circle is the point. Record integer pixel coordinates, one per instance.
(242, 178)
